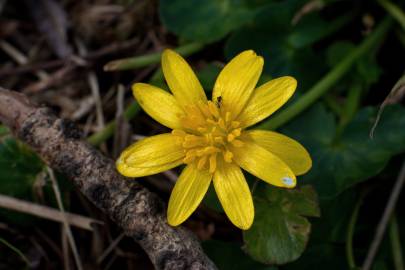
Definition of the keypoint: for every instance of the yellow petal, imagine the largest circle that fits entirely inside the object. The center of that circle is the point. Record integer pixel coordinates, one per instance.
(267, 99)
(288, 150)
(237, 81)
(264, 165)
(187, 194)
(234, 194)
(159, 104)
(181, 79)
(150, 156)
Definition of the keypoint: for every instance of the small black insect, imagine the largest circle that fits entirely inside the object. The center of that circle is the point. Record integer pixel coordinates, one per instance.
(219, 102)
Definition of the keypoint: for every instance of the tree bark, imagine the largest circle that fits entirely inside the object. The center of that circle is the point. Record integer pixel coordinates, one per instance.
(140, 213)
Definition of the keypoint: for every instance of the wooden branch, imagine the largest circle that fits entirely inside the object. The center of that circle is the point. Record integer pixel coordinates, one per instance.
(140, 213)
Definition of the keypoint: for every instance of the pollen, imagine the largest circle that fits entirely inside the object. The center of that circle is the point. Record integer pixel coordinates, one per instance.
(208, 134)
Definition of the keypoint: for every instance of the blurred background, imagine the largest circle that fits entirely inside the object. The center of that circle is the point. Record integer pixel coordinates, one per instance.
(81, 57)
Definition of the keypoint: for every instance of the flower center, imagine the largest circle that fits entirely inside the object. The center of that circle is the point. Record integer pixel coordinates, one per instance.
(208, 134)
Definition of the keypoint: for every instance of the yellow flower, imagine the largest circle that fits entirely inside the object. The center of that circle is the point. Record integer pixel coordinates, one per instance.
(210, 137)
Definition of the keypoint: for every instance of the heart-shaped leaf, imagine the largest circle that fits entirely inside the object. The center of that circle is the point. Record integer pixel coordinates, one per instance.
(204, 21)
(280, 230)
(341, 162)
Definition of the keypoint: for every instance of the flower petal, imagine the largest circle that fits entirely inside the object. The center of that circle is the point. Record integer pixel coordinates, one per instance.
(181, 79)
(159, 104)
(288, 150)
(150, 156)
(237, 81)
(267, 99)
(187, 194)
(234, 194)
(264, 165)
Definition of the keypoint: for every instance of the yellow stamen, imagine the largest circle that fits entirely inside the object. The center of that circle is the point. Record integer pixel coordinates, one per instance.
(209, 133)
(213, 162)
(237, 143)
(228, 156)
(213, 109)
(202, 162)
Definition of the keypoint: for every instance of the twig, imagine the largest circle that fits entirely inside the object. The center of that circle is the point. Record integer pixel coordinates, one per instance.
(140, 213)
(382, 225)
(46, 212)
(68, 231)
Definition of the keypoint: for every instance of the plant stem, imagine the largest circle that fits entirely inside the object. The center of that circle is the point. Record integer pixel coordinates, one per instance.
(330, 79)
(148, 59)
(350, 107)
(350, 233)
(99, 137)
(16, 250)
(333, 104)
(394, 10)
(396, 243)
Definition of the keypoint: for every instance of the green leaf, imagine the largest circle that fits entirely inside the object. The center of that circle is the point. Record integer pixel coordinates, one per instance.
(208, 75)
(280, 230)
(19, 167)
(323, 256)
(287, 48)
(339, 163)
(366, 70)
(204, 21)
(230, 256)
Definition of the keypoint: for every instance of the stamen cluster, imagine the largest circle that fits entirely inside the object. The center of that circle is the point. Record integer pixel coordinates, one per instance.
(208, 133)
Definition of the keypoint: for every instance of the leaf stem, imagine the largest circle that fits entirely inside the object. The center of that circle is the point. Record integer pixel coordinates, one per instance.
(350, 233)
(331, 78)
(16, 250)
(99, 137)
(396, 243)
(148, 59)
(394, 10)
(350, 107)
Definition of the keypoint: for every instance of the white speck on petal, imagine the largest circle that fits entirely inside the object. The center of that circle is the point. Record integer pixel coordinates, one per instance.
(288, 181)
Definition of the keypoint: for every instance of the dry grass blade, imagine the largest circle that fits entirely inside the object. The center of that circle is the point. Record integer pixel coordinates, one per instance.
(51, 20)
(110, 248)
(67, 229)
(46, 212)
(395, 96)
(382, 225)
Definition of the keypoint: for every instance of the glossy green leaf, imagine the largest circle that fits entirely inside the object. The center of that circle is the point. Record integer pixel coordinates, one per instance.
(19, 167)
(280, 230)
(204, 21)
(208, 75)
(341, 162)
(323, 256)
(366, 70)
(19, 170)
(229, 256)
(286, 47)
